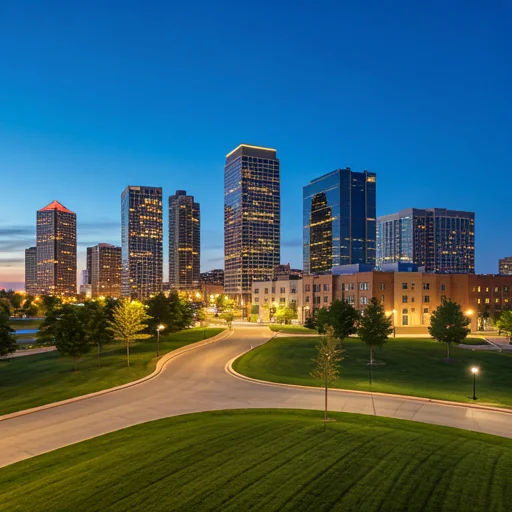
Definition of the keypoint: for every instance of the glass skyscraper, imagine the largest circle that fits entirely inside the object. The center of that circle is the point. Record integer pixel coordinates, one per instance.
(252, 221)
(184, 241)
(339, 220)
(105, 270)
(56, 250)
(141, 240)
(30, 271)
(441, 240)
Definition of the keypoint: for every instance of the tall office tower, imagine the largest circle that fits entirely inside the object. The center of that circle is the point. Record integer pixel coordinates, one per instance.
(56, 250)
(88, 266)
(30, 271)
(184, 241)
(506, 266)
(141, 240)
(252, 221)
(106, 267)
(441, 240)
(339, 219)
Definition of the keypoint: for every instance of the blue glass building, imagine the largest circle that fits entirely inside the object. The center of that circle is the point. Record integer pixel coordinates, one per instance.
(339, 220)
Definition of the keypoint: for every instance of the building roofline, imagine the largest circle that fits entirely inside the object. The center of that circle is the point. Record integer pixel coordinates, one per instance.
(249, 146)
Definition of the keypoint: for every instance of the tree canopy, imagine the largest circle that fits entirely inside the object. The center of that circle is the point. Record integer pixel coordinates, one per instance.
(341, 316)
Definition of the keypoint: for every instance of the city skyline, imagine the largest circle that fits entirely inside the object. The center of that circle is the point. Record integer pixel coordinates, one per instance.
(399, 102)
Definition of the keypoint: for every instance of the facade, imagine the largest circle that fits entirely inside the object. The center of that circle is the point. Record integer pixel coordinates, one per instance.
(506, 266)
(275, 293)
(141, 240)
(56, 250)
(184, 242)
(252, 222)
(88, 267)
(339, 219)
(411, 297)
(105, 271)
(441, 240)
(30, 271)
(284, 270)
(215, 276)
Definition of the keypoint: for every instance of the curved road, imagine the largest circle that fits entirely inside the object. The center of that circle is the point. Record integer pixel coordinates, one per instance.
(197, 381)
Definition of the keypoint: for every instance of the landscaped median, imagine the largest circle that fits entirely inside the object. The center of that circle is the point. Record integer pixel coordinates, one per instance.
(32, 381)
(271, 460)
(414, 367)
(292, 329)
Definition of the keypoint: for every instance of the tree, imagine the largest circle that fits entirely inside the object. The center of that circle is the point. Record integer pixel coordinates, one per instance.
(374, 326)
(223, 303)
(341, 316)
(229, 317)
(70, 336)
(95, 316)
(326, 362)
(173, 311)
(202, 317)
(285, 315)
(129, 320)
(504, 322)
(8, 343)
(448, 324)
(322, 320)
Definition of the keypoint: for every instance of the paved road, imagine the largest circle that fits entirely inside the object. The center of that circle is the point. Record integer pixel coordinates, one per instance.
(197, 381)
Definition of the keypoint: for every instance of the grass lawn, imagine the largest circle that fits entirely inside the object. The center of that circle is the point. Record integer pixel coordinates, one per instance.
(31, 381)
(475, 341)
(411, 367)
(292, 329)
(272, 461)
(23, 323)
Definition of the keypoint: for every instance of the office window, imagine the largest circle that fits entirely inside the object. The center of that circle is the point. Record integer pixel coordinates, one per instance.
(404, 286)
(282, 289)
(382, 286)
(426, 286)
(363, 286)
(443, 287)
(256, 290)
(426, 298)
(326, 287)
(326, 299)
(363, 300)
(307, 288)
(404, 299)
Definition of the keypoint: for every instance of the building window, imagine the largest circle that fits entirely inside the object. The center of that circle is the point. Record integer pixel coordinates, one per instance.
(293, 290)
(382, 286)
(363, 286)
(273, 290)
(317, 287)
(404, 286)
(317, 300)
(266, 290)
(412, 299)
(487, 300)
(282, 289)
(350, 286)
(487, 289)
(273, 299)
(350, 299)
(405, 311)
(293, 301)
(404, 299)
(266, 300)
(405, 320)
(413, 286)
(479, 301)
(307, 298)
(256, 299)
(496, 288)
(363, 300)
(426, 298)
(382, 299)
(307, 288)
(425, 310)
(505, 289)
(326, 287)
(443, 298)
(497, 300)
(256, 290)
(326, 299)
(282, 300)
(479, 289)
(443, 287)
(426, 286)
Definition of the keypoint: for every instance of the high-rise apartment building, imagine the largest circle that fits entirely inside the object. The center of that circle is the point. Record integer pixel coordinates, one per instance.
(184, 241)
(56, 250)
(339, 219)
(441, 240)
(252, 222)
(105, 270)
(88, 266)
(506, 266)
(141, 237)
(30, 271)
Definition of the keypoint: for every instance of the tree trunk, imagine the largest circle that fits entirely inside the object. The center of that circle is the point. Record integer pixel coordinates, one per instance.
(325, 411)
(371, 356)
(99, 355)
(448, 351)
(128, 353)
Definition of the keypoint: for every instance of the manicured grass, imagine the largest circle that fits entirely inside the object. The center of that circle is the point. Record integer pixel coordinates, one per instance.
(475, 341)
(31, 381)
(23, 323)
(292, 329)
(271, 461)
(411, 367)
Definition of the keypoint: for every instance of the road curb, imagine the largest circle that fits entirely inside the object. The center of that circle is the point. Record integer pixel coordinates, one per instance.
(159, 367)
(230, 370)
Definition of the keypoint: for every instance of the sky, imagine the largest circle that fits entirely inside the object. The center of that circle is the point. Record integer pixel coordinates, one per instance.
(98, 95)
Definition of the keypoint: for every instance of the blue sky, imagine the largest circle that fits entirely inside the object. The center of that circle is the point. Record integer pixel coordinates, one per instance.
(98, 95)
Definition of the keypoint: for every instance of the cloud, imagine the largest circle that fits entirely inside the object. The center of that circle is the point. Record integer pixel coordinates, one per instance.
(17, 231)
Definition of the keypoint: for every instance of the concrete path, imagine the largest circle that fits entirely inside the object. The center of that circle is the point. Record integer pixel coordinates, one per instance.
(29, 352)
(197, 381)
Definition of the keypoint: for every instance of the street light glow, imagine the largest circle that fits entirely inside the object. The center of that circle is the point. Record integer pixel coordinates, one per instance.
(469, 312)
(160, 327)
(474, 369)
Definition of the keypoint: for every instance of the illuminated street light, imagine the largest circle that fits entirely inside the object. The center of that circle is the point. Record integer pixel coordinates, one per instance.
(474, 371)
(158, 329)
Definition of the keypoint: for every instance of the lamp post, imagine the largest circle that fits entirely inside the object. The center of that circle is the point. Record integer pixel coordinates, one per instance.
(469, 313)
(158, 329)
(306, 313)
(474, 371)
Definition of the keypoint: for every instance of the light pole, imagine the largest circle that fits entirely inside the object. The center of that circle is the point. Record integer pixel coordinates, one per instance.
(468, 313)
(474, 371)
(158, 329)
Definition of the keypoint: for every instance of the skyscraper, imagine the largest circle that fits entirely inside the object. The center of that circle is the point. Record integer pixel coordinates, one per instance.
(506, 266)
(105, 270)
(252, 222)
(56, 250)
(184, 241)
(441, 240)
(141, 240)
(30, 271)
(88, 266)
(339, 219)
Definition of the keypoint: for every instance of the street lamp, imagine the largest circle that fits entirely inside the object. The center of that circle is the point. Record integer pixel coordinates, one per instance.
(158, 329)
(474, 371)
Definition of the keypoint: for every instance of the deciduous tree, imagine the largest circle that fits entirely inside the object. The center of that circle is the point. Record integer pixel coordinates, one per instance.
(7, 340)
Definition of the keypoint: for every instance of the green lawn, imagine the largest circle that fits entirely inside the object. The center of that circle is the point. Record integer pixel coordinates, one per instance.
(270, 461)
(475, 341)
(31, 381)
(25, 323)
(411, 367)
(292, 329)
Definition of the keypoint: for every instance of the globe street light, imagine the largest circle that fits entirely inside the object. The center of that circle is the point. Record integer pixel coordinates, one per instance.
(158, 329)
(474, 371)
